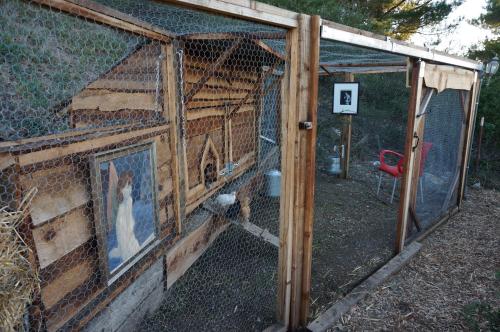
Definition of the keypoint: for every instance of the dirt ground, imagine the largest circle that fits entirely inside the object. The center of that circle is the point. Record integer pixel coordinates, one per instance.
(354, 232)
(453, 284)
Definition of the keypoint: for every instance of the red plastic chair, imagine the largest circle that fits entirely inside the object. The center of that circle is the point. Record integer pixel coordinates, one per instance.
(397, 170)
(393, 170)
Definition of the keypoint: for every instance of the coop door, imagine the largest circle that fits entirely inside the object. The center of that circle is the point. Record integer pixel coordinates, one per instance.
(439, 144)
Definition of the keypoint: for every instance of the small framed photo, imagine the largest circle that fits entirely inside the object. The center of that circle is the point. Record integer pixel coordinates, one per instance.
(125, 206)
(345, 98)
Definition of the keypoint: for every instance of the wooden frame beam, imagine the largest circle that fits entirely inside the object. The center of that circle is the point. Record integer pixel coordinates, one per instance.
(362, 65)
(245, 9)
(310, 169)
(289, 130)
(409, 153)
(105, 15)
(343, 33)
(469, 130)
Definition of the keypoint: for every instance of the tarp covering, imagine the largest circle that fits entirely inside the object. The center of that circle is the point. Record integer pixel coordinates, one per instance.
(442, 77)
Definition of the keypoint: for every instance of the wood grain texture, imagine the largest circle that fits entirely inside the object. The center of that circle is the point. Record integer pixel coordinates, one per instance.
(55, 239)
(114, 101)
(60, 190)
(67, 281)
(87, 145)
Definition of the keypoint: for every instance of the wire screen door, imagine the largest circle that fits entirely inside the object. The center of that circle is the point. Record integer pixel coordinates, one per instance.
(355, 217)
(155, 149)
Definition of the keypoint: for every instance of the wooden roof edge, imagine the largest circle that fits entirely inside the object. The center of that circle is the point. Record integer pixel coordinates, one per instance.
(363, 64)
(233, 35)
(346, 34)
(108, 16)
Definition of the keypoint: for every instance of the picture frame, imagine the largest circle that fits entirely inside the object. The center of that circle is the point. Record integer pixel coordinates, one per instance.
(126, 209)
(346, 98)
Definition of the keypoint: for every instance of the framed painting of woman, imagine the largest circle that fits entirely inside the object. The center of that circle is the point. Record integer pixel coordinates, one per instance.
(125, 206)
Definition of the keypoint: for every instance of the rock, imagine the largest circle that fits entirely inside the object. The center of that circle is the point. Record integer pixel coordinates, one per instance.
(477, 185)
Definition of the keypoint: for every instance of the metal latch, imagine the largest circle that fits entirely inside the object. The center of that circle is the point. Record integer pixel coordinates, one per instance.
(306, 125)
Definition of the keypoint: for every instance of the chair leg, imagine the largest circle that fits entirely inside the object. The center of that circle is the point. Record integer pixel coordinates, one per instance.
(379, 182)
(393, 189)
(421, 190)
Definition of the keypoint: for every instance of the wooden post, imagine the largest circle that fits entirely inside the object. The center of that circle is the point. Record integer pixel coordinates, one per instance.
(300, 148)
(468, 137)
(409, 160)
(479, 140)
(346, 137)
(288, 133)
(170, 98)
(310, 176)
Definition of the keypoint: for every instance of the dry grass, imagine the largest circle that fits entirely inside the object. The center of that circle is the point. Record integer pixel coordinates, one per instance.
(453, 284)
(17, 278)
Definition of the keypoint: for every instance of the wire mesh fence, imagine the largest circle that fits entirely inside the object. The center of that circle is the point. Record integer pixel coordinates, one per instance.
(441, 156)
(155, 150)
(354, 226)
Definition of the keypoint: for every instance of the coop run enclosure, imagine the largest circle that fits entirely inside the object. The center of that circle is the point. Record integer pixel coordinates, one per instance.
(192, 170)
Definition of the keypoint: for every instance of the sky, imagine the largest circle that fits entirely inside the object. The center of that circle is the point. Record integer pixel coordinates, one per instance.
(460, 39)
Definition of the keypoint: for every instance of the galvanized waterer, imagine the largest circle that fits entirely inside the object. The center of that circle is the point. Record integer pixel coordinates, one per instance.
(273, 183)
(335, 165)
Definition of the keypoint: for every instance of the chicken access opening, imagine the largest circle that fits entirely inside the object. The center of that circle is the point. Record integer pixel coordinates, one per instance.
(210, 173)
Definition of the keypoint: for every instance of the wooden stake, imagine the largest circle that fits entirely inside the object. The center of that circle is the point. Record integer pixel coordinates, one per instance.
(346, 137)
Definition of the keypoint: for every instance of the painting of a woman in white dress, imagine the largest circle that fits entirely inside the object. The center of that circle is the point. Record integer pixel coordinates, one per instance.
(127, 201)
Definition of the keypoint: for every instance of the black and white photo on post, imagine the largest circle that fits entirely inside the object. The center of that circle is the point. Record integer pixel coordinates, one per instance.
(345, 98)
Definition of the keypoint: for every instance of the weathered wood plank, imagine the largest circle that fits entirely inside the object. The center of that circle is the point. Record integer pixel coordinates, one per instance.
(60, 190)
(110, 84)
(126, 311)
(114, 101)
(260, 233)
(67, 281)
(85, 146)
(55, 239)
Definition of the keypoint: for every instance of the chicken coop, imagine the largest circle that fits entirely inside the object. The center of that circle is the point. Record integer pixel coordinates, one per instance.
(188, 167)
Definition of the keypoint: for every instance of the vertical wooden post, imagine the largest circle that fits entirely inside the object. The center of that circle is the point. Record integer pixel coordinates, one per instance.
(411, 143)
(468, 137)
(288, 132)
(170, 100)
(346, 137)
(479, 141)
(300, 147)
(310, 176)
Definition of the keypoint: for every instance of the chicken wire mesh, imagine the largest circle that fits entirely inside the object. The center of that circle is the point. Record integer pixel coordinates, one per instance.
(156, 162)
(354, 226)
(441, 155)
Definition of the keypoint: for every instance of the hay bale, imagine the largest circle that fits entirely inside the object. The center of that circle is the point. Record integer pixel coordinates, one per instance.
(18, 279)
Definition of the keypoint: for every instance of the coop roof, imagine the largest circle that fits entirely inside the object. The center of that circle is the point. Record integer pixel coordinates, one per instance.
(338, 57)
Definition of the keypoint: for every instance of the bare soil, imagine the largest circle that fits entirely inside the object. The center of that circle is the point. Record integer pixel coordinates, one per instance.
(453, 284)
(354, 232)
